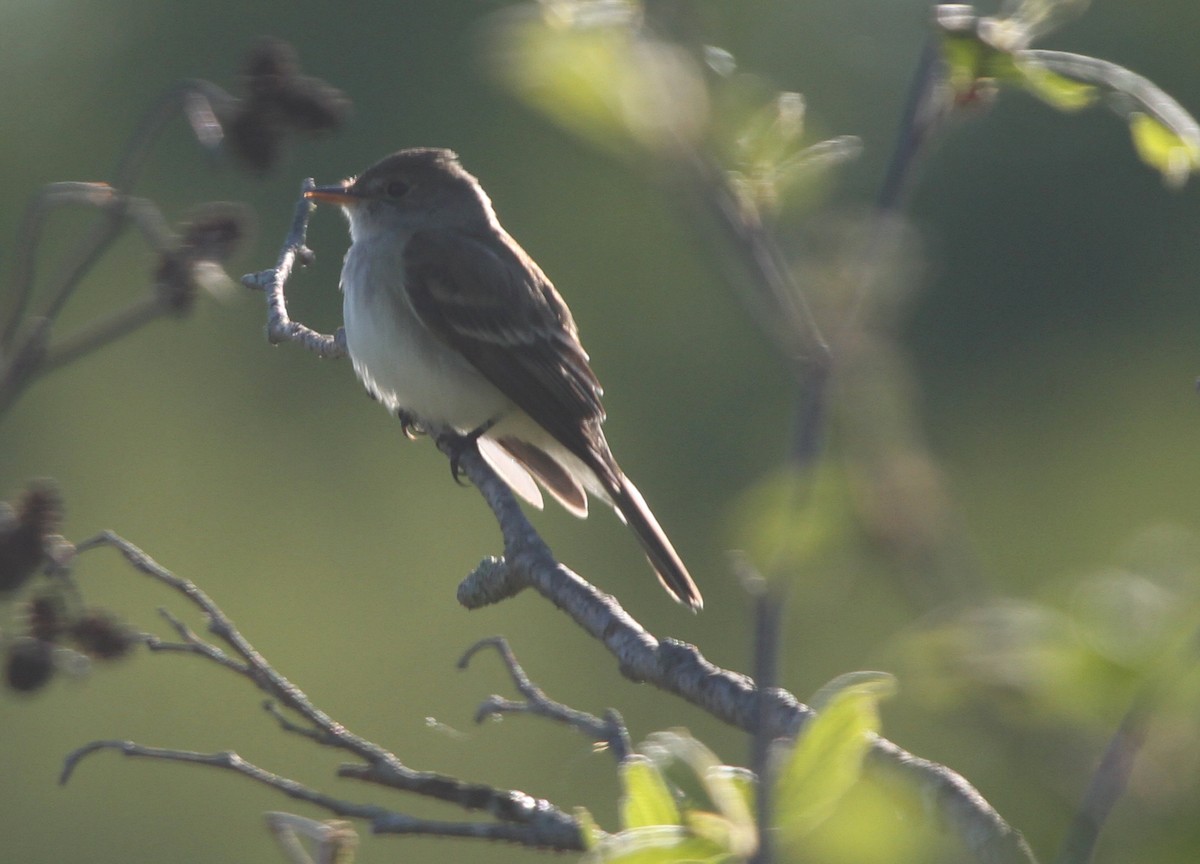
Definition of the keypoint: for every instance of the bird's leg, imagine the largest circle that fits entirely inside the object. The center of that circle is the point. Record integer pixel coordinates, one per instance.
(457, 445)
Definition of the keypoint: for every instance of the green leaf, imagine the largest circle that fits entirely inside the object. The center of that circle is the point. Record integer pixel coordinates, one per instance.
(883, 684)
(588, 828)
(733, 827)
(826, 760)
(964, 60)
(657, 845)
(1056, 90)
(647, 801)
(732, 790)
(1163, 149)
(719, 831)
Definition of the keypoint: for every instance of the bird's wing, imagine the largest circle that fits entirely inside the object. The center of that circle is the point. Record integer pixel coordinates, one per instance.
(489, 301)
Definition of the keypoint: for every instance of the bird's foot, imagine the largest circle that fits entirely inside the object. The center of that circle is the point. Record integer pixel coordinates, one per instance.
(410, 425)
(456, 446)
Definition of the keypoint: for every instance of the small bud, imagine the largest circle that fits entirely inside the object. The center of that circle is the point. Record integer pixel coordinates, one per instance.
(23, 531)
(40, 507)
(279, 100)
(310, 105)
(269, 66)
(45, 617)
(29, 664)
(99, 634)
(216, 230)
(254, 137)
(175, 282)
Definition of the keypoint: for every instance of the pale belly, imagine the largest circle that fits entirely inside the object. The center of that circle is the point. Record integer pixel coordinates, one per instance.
(408, 368)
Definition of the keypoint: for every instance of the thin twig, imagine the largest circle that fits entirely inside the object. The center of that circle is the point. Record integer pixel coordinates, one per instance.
(381, 820)
(104, 331)
(1107, 786)
(192, 644)
(1144, 93)
(201, 101)
(142, 213)
(779, 307)
(49, 197)
(193, 97)
(924, 115)
(538, 823)
(280, 326)
(1111, 777)
(610, 730)
(26, 354)
(320, 736)
(768, 611)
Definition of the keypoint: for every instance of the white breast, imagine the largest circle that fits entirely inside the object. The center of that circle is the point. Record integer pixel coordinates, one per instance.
(403, 364)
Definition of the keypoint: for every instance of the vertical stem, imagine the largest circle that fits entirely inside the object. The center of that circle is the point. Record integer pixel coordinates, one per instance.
(923, 115)
(768, 605)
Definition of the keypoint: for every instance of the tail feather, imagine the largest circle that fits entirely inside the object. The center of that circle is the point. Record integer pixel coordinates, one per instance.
(566, 475)
(663, 558)
(511, 471)
(556, 479)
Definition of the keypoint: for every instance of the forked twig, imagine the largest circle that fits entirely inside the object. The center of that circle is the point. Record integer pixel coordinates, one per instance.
(521, 818)
(280, 326)
(610, 730)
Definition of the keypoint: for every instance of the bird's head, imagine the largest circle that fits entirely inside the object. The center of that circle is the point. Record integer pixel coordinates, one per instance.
(407, 191)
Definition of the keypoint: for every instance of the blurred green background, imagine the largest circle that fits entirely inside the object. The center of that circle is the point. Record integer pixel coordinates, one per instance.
(1053, 334)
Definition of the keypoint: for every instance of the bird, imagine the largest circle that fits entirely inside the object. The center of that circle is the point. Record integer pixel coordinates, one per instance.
(450, 324)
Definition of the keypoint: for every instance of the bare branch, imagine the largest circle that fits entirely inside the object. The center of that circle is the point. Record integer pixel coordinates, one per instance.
(193, 644)
(28, 354)
(280, 327)
(200, 101)
(548, 826)
(610, 730)
(680, 668)
(104, 331)
(778, 305)
(29, 235)
(535, 822)
(381, 820)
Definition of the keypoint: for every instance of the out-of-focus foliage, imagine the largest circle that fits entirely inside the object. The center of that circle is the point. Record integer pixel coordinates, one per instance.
(590, 67)
(984, 52)
(1121, 636)
(603, 69)
(789, 519)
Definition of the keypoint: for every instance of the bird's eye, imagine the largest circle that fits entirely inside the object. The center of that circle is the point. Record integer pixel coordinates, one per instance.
(396, 189)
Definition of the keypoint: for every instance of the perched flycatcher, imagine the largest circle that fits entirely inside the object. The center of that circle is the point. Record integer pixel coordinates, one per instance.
(450, 323)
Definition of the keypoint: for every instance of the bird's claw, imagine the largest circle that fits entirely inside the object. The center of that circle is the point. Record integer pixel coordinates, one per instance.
(410, 425)
(456, 446)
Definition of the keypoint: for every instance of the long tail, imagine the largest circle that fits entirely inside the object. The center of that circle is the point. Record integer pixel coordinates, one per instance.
(564, 475)
(664, 559)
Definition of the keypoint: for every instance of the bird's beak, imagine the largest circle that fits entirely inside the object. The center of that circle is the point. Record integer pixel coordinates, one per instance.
(339, 193)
